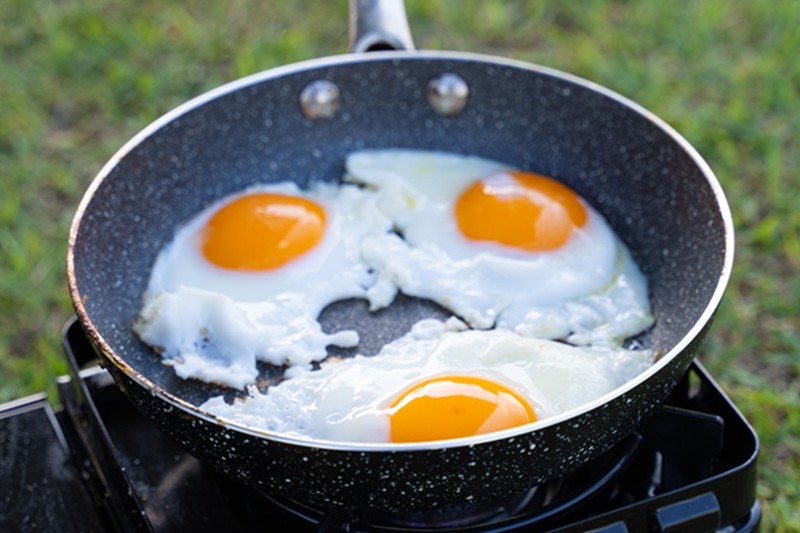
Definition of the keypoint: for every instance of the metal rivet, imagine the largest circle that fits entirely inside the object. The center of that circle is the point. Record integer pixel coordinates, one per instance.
(448, 94)
(320, 99)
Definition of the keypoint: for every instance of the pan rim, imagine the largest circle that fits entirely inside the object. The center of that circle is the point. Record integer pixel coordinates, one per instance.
(397, 57)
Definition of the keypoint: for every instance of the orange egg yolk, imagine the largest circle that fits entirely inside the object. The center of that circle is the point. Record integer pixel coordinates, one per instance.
(520, 209)
(451, 407)
(262, 231)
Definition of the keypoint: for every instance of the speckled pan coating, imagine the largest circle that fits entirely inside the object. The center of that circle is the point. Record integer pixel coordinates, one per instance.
(654, 189)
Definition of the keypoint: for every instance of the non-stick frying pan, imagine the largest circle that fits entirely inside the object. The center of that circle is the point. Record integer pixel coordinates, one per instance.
(299, 122)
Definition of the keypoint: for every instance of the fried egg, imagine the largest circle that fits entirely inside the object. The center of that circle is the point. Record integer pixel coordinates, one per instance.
(499, 247)
(246, 279)
(437, 382)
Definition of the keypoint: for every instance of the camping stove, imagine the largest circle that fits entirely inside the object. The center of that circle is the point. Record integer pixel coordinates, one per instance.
(96, 464)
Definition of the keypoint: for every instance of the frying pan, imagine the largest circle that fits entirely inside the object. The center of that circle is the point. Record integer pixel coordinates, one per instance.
(299, 122)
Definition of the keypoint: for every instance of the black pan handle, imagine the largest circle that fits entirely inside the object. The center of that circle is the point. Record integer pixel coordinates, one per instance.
(379, 25)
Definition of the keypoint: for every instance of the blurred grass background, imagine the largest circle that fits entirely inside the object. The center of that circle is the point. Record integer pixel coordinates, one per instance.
(79, 77)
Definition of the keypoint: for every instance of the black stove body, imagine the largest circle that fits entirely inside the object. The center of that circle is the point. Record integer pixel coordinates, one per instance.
(97, 465)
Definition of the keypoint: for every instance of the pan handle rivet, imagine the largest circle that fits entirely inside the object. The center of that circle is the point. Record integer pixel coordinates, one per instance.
(448, 94)
(320, 99)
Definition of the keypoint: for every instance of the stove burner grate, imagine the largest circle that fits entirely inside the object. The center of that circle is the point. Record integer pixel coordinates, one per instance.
(539, 504)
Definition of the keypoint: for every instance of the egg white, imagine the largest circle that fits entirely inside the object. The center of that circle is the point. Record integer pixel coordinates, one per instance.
(348, 400)
(588, 291)
(213, 323)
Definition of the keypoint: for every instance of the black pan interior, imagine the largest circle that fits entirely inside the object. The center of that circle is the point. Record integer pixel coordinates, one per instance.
(652, 189)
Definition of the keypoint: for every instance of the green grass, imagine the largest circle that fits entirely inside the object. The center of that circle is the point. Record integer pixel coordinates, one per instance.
(78, 78)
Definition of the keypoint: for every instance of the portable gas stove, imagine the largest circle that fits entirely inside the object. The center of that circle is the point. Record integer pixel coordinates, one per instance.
(97, 465)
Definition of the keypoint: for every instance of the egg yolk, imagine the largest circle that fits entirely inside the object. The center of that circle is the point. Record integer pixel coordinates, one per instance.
(520, 209)
(262, 231)
(451, 407)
